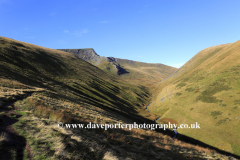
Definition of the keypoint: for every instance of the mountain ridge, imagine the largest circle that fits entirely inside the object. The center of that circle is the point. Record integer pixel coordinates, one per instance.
(91, 52)
(142, 73)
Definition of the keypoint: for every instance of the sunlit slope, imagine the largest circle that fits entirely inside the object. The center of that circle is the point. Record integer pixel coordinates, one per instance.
(66, 77)
(145, 73)
(205, 90)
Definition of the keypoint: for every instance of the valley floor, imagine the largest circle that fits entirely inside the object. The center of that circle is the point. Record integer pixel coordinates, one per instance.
(36, 137)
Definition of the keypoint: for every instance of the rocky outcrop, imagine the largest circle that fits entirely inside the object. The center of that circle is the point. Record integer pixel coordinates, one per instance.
(118, 61)
(120, 70)
(87, 54)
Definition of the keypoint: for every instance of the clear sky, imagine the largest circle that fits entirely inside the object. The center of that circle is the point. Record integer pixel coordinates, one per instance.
(153, 31)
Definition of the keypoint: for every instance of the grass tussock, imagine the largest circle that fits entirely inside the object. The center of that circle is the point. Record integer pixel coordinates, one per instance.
(40, 109)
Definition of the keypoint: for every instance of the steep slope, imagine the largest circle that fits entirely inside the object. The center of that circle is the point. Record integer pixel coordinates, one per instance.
(147, 74)
(205, 90)
(64, 75)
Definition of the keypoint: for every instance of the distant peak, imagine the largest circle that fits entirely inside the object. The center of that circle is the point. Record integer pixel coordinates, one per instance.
(87, 54)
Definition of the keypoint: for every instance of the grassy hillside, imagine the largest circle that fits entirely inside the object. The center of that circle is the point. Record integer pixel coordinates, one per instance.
(205, 90)
(147, 74)
(51, 86)
(63, 74)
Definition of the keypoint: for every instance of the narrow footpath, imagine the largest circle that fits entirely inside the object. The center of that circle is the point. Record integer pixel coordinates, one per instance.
(12, 145)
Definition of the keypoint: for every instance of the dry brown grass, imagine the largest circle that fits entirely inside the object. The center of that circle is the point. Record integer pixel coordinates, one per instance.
(204, 150)
(158, 139)
(3, 137)
(167, 147)
(168, 120)
(185, 96)
(109, 156)
(60, 116)
(198, 90)
(40, 109)
(122, 139)
(119, 139)
(193, 147)
(13, 84)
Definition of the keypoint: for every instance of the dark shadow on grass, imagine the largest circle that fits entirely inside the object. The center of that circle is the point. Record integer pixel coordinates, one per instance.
(113, 99)
(34, 58)
(13, 143)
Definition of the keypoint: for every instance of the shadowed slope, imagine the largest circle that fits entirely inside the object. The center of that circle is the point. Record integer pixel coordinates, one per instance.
(65, 75)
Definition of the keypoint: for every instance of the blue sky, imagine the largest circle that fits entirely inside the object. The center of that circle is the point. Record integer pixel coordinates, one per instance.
(153, 31)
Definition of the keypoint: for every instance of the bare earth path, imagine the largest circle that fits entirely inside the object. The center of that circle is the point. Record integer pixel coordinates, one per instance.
(12, 145)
